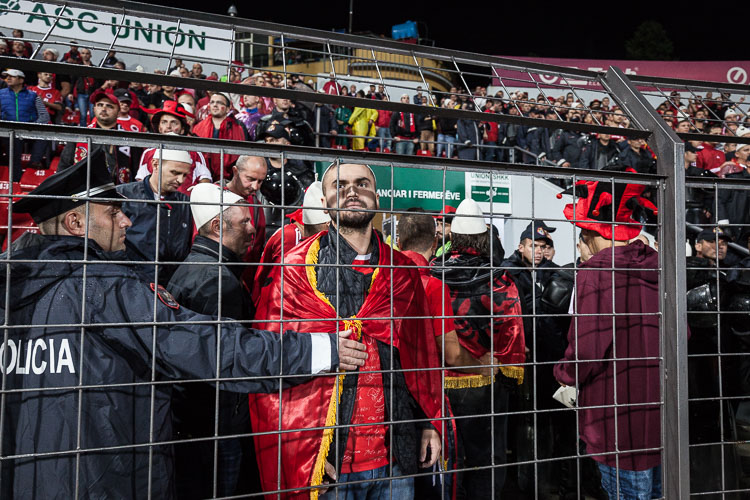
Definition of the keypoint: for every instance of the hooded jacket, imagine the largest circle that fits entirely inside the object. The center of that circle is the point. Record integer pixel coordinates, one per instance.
(96, 371)
(595, 340)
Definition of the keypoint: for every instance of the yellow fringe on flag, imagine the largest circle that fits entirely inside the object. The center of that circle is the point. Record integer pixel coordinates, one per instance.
(515, 372)
(468, 381)
(473, 381)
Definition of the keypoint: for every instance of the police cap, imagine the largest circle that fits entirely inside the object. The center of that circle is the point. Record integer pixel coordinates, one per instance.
(72, 184)
(712, 233)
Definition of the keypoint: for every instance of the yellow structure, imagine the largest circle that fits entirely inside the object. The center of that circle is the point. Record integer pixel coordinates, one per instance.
(362, 63)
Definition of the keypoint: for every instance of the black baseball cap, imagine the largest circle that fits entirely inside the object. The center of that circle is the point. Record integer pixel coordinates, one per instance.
(72, 184)
(123, 95)
(538, 230)
(710, 234)
(277, 131)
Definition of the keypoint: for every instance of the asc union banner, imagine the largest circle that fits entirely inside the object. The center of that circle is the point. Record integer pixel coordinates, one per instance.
(88, 25)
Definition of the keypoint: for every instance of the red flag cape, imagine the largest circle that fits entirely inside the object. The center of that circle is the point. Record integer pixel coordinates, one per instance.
(307, 408)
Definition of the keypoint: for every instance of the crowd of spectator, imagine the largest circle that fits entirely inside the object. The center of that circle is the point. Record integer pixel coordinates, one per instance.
(527, 282)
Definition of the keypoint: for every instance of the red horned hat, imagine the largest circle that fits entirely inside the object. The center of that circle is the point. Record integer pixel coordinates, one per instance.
(599, 208)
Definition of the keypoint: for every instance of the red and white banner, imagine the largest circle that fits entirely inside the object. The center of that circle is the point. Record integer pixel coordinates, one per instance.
(714, 71)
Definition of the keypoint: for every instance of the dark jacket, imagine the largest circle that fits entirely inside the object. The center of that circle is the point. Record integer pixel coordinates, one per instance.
(194, 405)
(98, 357)
(642, 161)
(469, 139)
(197, 286)
(734, 204)
(701, 199)
(175, 225)
(537, 139)
(592, 343)
(403, 129)
(597, 156)
(550, 331)
(567, 146)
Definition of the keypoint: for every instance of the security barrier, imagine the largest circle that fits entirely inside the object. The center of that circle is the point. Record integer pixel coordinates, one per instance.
(112, 385)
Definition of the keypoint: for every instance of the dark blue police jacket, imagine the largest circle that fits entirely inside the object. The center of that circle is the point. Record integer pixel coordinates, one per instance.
(59, 369)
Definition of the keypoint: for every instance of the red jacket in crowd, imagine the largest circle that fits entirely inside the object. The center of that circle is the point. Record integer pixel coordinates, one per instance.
(230, 129)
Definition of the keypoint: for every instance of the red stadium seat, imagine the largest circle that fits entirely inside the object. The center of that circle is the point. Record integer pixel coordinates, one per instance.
(20, 223)
(424, 152)
(32, 178)
(4, 171)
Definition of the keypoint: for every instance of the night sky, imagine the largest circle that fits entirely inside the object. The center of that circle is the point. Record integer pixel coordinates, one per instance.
(577, 29)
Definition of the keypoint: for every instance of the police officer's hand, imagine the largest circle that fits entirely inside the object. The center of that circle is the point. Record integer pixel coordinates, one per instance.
(351, 353)
(429, 451)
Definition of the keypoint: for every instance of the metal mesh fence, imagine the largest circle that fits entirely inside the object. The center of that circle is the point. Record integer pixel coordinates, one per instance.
(114, 384)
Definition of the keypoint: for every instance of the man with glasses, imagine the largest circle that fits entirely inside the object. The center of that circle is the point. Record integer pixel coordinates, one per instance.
(221, 125)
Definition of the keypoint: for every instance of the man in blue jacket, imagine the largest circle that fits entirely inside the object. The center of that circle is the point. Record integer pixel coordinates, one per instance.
(90, 347)
(19, 104)
(162, 225)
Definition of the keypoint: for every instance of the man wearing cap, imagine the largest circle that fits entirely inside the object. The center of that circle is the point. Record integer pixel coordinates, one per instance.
(172, 120)
(546, 292)
(157, 199)
(292, 118)
(125, 120)
(707, 294)
(91, 430)
(224, 235)
(119, 159)
(20, 104)
(305, 222)
(607, 354)
(349, 276)
(475, 256)
(221, 125)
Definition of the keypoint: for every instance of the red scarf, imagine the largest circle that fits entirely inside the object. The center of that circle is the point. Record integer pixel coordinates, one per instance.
(313, 404)
(402, 122)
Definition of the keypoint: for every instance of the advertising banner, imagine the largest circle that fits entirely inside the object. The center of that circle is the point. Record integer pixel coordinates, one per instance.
(147, 35)
(714, 71)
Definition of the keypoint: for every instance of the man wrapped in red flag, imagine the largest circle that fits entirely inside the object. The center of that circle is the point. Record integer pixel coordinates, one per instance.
(341, 278)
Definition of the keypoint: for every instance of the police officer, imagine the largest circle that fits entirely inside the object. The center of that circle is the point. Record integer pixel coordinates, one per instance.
(544, 290)
(707, 290)
(87, 410)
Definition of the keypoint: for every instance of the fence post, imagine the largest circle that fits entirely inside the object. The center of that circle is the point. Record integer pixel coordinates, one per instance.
(670, 153)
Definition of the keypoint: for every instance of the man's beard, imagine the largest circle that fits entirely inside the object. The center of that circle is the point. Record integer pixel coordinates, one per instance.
(353, 220)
